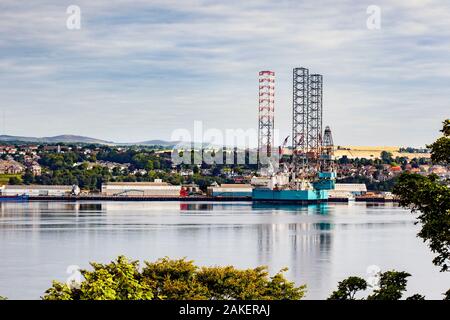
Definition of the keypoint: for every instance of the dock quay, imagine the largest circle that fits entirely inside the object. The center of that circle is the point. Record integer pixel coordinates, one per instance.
(184, 199)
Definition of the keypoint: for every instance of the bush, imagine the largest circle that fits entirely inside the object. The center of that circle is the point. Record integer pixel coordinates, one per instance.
(168, 279)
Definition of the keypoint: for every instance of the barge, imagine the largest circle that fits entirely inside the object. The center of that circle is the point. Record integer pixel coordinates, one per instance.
(18, 198)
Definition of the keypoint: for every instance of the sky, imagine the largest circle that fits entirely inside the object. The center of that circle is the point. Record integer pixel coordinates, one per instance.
(138, 70)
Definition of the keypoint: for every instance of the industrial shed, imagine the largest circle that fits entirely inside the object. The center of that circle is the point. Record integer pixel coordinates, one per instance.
(38, 190)
(348, 190)
(230, 190)
(143, 189)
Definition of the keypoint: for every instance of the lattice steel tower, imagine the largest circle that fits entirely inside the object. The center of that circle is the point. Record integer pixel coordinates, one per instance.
(266, 112)
(314, 122)
(327, 151)
(328, 140)
(300, 110)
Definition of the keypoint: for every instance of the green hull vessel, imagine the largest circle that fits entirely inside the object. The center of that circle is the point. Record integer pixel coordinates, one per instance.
(289, 196)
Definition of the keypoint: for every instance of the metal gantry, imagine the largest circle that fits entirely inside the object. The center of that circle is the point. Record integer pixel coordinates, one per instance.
(314, 122)
(327, 151)
(266, 112)
(307, 121)
(300, 110)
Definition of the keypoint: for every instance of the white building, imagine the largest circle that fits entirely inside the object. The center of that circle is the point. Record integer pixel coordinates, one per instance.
(38, 190)
(260, 181)
(230, 190)
(348, 190)
(147, 189)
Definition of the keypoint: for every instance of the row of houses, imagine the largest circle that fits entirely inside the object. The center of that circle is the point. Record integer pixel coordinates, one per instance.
(11, 167)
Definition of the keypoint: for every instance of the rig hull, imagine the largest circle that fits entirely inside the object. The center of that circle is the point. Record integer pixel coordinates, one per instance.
(289, 196)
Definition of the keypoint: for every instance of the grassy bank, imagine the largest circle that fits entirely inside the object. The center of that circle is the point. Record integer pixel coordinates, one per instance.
(4, 178)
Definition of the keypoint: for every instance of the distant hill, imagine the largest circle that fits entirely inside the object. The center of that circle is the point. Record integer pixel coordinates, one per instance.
(157, 143)
(55, 139)
(80, 139)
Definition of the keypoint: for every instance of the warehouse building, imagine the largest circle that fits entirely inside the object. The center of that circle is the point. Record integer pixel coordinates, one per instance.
(348, 190)
(39, 190)
(230, 190)
(143, 189)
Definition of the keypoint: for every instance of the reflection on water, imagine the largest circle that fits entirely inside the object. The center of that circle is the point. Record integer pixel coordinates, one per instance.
(321, 244)
(90, 207)
(196, 206)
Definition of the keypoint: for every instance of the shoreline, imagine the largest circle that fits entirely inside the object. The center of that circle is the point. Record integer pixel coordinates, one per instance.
(185, 199)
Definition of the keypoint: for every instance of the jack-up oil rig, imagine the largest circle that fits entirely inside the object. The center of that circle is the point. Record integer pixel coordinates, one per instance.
(306, 175)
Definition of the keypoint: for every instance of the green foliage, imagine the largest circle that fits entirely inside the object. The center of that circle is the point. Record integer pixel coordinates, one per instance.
(118, 280)
(3, 298)
(61, 291)
(230, 283)
(431, 197)
(386, 157)
(446, 128)
(348, 288)
(14, 180)
(392, 285)
(416, 297)
(4, 178)
(58, 161)
(175, 280)
(440, 149)
(28, 177)
(447, 295)
(86, 179)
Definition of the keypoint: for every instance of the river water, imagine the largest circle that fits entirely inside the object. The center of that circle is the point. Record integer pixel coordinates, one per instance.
(320, 245)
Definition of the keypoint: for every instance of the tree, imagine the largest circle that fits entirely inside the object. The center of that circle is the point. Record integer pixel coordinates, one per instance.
(149, 165)
(196, 170)
(14, 181)
(386, 157)
(348, 288)
(118, 280)
(440, 149)
(416, 297)
(447, 295)
(392, 285)
(431, 197)
(175, 280)
(28, 177)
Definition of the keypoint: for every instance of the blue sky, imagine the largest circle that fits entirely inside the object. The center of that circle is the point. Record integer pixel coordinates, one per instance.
(137, 70)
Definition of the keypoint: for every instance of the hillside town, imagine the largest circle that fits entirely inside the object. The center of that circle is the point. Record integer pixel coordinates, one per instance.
(92, 167)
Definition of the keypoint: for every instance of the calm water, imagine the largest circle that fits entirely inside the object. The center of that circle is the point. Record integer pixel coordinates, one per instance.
(320, 245)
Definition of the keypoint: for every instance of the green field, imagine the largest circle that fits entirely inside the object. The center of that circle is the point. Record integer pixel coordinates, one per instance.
(4, 178)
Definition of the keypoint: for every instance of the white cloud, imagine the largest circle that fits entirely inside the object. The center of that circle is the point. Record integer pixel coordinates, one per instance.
(172, 62)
